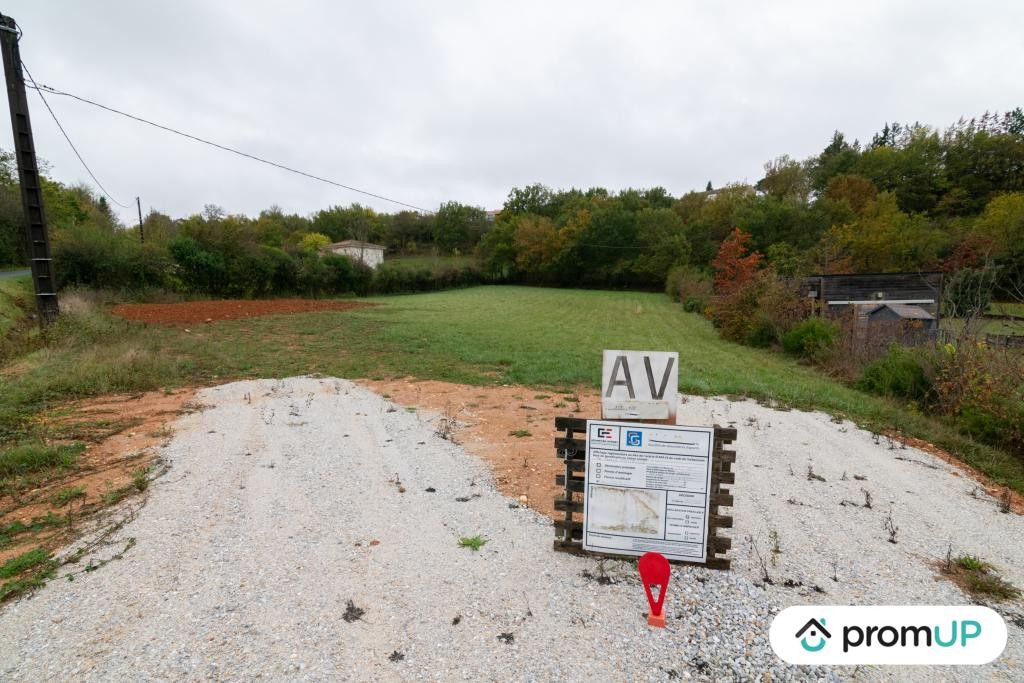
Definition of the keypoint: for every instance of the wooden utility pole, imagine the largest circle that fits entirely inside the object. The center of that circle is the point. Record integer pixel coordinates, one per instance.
(138, 205)
(37, 236)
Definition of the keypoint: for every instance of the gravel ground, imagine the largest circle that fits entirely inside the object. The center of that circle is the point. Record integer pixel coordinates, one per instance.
(285, 500)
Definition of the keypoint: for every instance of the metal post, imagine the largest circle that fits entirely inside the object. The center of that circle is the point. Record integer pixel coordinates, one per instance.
(36, 234)
(138, 205)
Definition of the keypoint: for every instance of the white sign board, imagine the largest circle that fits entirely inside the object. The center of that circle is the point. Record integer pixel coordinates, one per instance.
(647, 489)
(639, 385)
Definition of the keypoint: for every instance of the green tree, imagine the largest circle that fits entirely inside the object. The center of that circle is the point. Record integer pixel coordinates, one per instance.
(785, 178)
(313, 242)
(458, 226)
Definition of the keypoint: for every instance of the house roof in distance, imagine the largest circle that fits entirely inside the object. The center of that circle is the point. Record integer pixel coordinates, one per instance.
(357, 244)
(906, 311)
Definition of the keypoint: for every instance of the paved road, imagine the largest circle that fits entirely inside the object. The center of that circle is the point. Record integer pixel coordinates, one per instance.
(14, 273)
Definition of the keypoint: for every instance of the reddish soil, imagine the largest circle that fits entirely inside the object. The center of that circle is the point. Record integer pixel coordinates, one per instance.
(488, 417)
(120, 432)
(193, 312)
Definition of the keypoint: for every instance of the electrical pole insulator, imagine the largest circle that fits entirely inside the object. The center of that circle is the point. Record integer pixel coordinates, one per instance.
(37, 236)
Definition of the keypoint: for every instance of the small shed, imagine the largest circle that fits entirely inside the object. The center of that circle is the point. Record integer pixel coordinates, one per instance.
(902, 313)
(904, 323)
(364, 252)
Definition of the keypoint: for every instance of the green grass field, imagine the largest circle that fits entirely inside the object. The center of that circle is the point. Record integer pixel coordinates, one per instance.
(533, 336)
(429, 262)
(1007, 308)
(987, 326)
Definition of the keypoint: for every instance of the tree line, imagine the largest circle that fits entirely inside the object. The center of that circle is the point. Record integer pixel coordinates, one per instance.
(913, 198)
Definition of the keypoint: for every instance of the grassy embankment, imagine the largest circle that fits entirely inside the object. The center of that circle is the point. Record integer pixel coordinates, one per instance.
(532, 336)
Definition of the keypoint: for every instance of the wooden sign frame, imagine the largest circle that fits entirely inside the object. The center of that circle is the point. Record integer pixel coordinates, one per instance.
(571, 448)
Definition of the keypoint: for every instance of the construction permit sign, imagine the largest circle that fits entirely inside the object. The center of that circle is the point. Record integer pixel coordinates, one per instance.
(647, 489)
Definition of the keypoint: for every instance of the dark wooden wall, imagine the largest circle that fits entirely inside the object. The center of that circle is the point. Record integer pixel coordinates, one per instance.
(892, 286)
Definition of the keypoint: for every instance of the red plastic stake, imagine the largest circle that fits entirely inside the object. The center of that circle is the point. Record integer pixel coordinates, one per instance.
(654, 570)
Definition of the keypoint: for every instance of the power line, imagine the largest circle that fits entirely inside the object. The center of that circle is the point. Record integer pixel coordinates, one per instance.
(68, 138)
(43, 87)
(614, 246)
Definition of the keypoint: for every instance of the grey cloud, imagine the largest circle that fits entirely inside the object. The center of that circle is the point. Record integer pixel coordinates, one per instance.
(428, 102)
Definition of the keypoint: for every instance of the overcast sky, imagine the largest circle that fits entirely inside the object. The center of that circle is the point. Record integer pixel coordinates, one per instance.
(433, 101)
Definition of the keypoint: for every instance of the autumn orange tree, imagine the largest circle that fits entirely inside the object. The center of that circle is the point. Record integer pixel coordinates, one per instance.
(733, 266)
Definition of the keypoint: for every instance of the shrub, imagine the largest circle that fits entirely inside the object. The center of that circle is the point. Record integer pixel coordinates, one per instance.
(762, 335)
(779, 308)
(312, 276)
(199, 271)
(686, 282)
(813, 339)
(695, 304)
(735, 313)
(97, 257)
(898, 374)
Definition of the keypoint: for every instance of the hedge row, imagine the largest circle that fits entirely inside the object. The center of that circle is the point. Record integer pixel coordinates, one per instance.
(103, 260)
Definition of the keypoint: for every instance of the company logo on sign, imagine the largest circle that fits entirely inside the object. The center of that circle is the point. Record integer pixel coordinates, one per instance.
(606, 433)
(888, 635)
(814, 629)
(634, 438)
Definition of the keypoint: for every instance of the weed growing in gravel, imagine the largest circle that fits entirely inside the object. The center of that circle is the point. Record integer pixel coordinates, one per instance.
(66, 495)
(520, 433)
(773, 536)
(396, 656)
(1004, 502)
(867, 498)
(474, 543)
(140, 479)
(989, 585)
(447, 424)
(977, 577)
(972, 563)
(352, 613)
(507, 638)
(755, 550)
(889, 526)
(811, 474)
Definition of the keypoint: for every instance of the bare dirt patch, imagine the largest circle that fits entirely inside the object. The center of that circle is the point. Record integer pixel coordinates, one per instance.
(512, 428)
(195, 312)
(119, 433)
